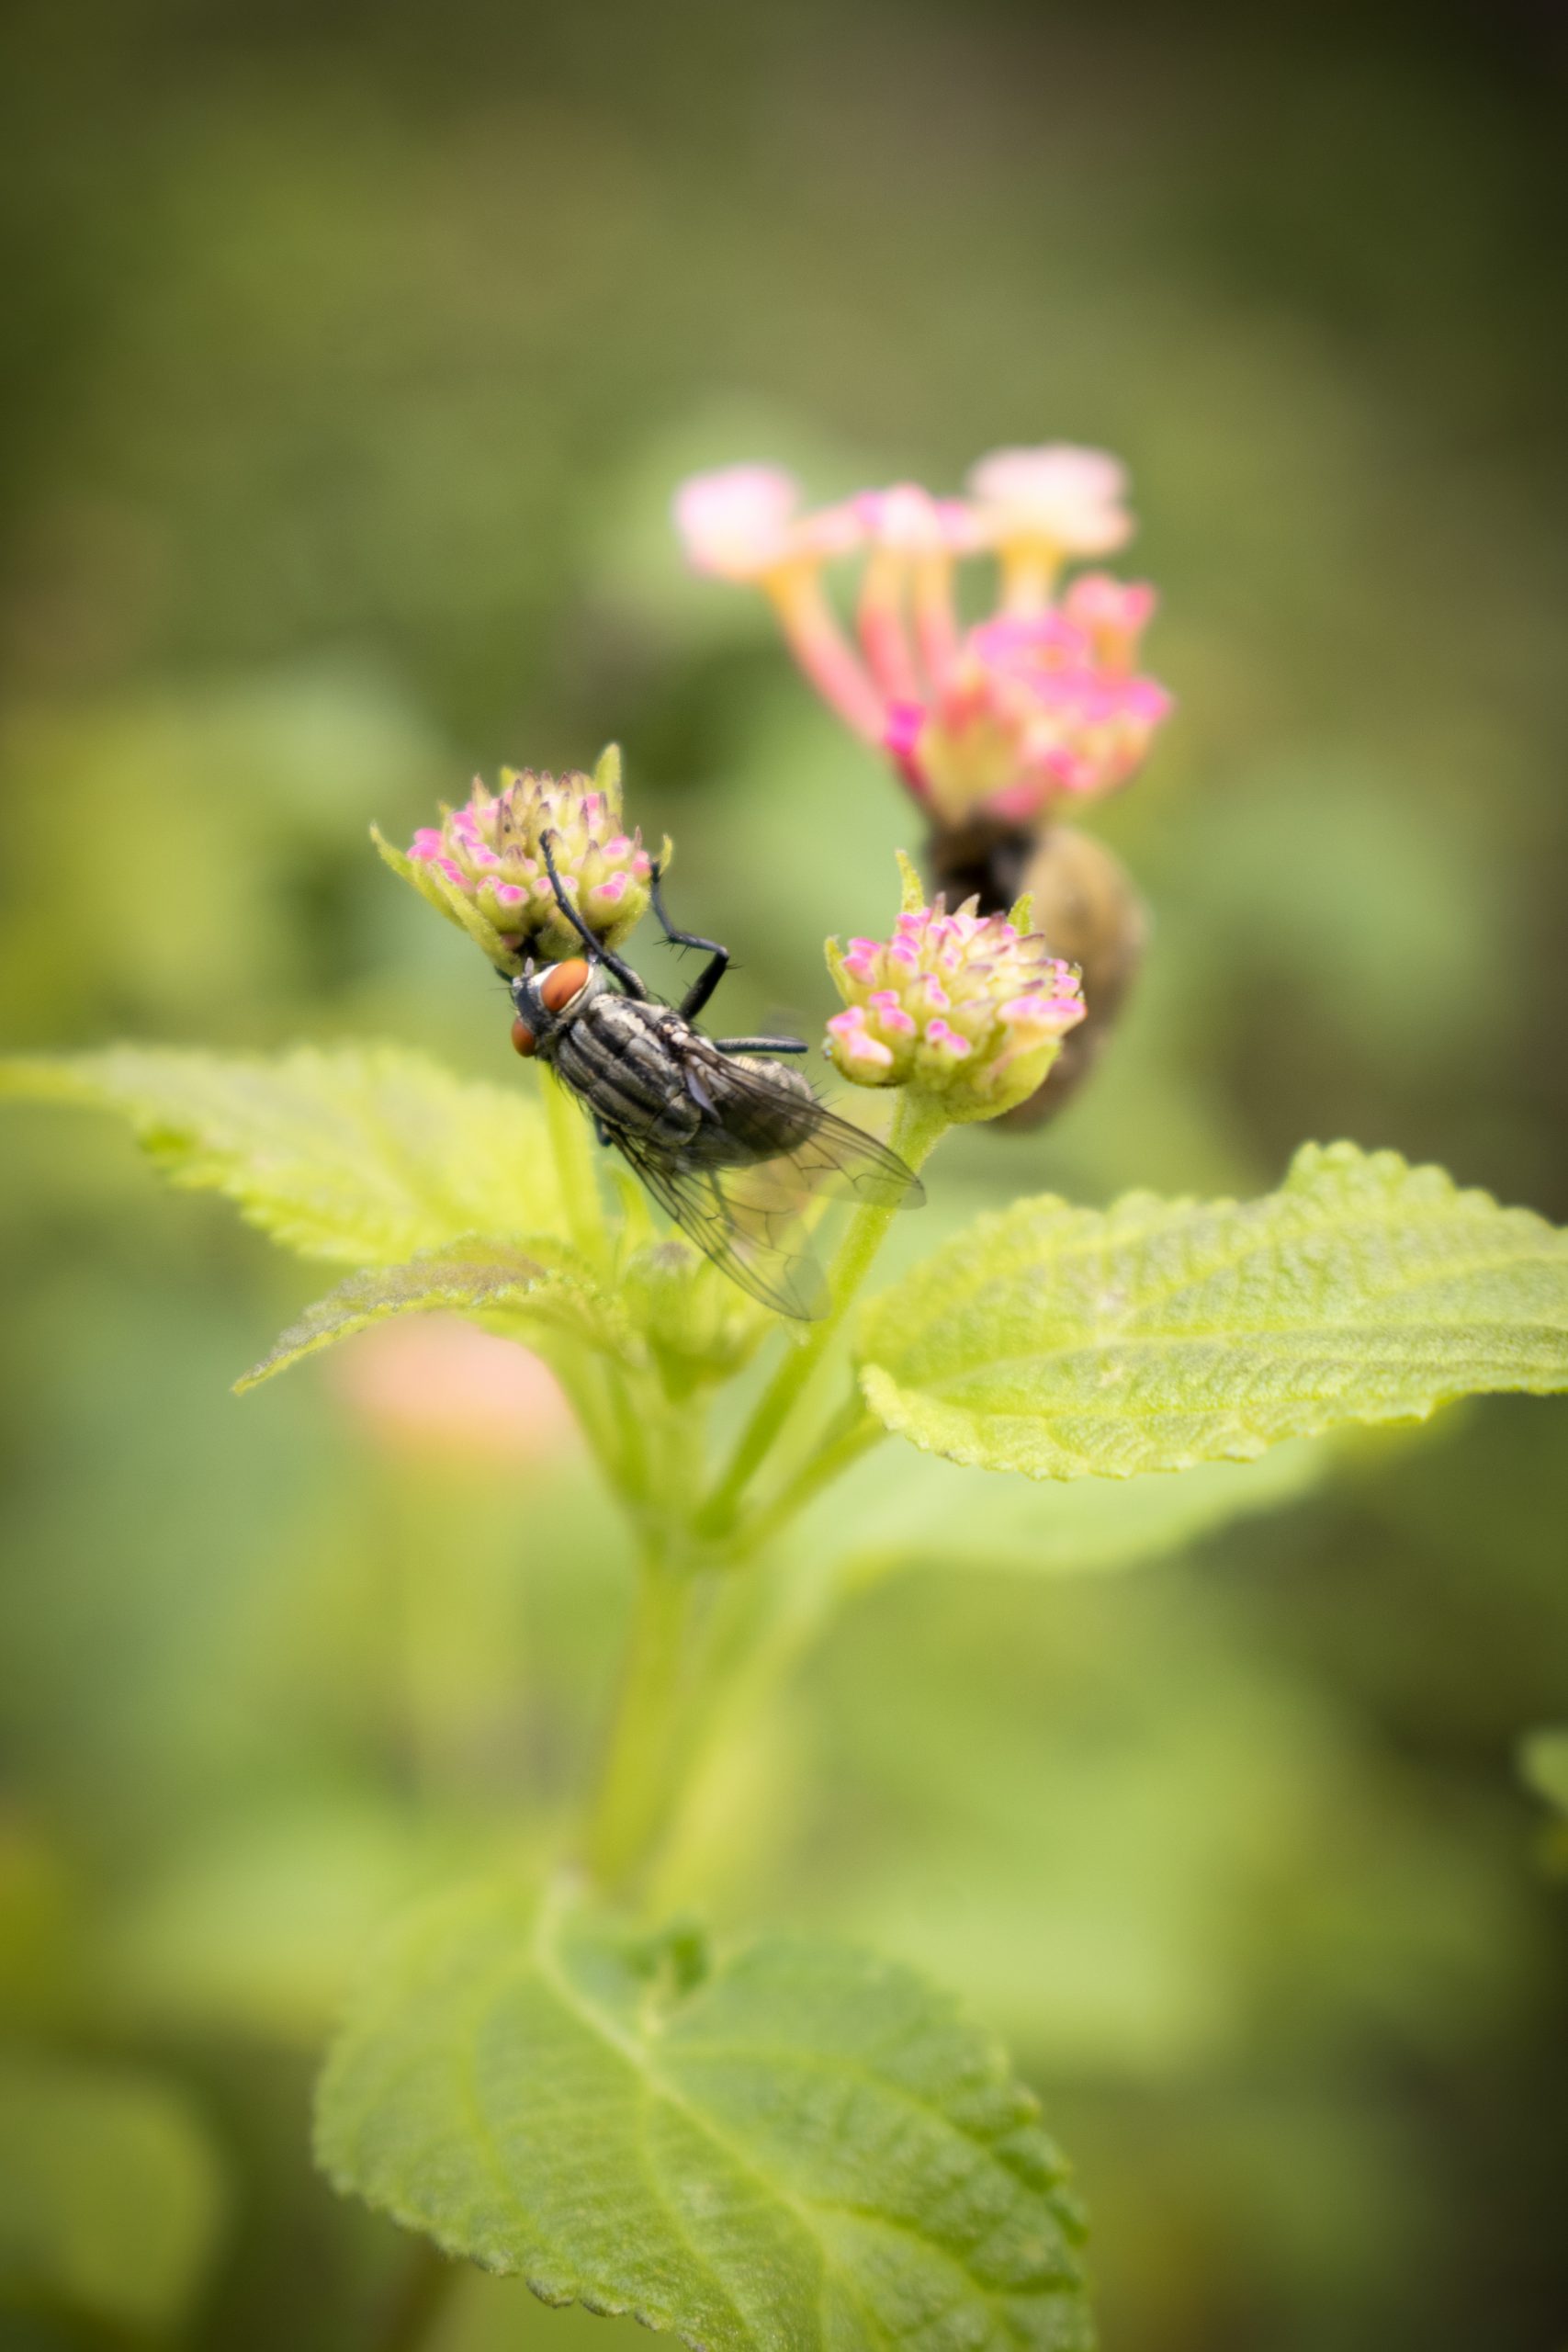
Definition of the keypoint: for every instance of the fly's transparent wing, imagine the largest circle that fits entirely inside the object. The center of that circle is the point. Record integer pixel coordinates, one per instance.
(761, 1119)
(765, 1152)
(746, 1219)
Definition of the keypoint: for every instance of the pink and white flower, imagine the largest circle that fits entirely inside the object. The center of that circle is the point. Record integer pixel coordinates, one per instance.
(969, 1006)
(742, 523)
(1058, 501)
(1042, 703)
(1029, 712)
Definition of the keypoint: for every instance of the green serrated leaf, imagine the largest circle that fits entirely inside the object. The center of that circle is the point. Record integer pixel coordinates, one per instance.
(801, 2147)
(110, 2195)
(1070, 1343)
(527, 1291)
(367, 1153)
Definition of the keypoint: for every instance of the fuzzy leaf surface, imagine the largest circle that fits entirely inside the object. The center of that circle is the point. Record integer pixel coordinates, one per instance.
(367, 1153)
(798, 2147)
(1068, 1342)
(524, 1293)
(110, 2195)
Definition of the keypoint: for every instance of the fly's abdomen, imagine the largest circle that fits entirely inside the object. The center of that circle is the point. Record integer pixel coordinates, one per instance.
(618, 1059)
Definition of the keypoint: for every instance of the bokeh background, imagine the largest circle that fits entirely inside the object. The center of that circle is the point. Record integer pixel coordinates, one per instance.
(351, 355)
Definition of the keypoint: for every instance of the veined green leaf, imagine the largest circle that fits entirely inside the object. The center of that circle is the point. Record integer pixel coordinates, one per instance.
(525, 1292)
(110, 2191)
(1071, 1343)
(797, 2148)
(362, 1153)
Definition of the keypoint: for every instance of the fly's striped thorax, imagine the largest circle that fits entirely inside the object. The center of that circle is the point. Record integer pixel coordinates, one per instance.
(616, 1054)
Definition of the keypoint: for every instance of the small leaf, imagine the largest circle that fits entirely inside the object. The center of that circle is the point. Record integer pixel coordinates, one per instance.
(911, 889)
(536, 1293)
(797, 2148)
(110, 2191)
(362, 1153)
(1070, 1343)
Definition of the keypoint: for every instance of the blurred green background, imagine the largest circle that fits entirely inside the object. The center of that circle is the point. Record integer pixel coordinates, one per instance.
(352, 355)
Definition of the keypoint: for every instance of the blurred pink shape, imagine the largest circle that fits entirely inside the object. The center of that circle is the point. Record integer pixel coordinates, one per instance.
(439, 1387)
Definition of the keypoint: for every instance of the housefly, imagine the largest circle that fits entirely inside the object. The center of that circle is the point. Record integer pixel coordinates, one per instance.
(729, 1139)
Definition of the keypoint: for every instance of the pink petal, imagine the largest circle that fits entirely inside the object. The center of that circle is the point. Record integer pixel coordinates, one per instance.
(736, 523)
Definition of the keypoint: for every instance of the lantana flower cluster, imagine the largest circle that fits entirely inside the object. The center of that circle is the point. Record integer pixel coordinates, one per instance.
(1040, 704)
(491, 852)
(968, 1006)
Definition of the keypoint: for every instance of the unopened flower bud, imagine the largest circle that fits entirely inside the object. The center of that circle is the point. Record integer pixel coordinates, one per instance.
(489, 857)
(968, 1006)
(699, 1327)
(1085, 905)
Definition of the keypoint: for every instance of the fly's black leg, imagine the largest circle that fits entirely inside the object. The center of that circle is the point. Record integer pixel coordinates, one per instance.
(601, 1132)
(760, 1045)
(707, 979)
(597, 951)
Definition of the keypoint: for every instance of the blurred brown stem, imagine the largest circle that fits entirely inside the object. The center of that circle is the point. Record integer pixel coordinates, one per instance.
(418, 2299)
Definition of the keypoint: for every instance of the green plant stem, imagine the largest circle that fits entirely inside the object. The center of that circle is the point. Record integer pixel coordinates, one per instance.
(763, 1624)
(635, 1789)
(918, 1123)
(840, 1447)
(418, 2301)
(582, 1379)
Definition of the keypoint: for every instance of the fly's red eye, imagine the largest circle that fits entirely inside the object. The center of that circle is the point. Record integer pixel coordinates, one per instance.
(523, 1038)
(562, 982)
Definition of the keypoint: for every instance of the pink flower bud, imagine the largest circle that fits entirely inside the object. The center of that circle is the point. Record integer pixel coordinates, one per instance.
(736, 523)
(490, 850)
(969, 1006)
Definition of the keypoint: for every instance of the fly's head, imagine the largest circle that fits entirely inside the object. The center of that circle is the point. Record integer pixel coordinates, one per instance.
(546, 1002)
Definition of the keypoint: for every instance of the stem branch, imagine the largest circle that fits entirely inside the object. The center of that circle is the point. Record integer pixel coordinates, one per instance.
(916, 1128)
(841, 1446)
